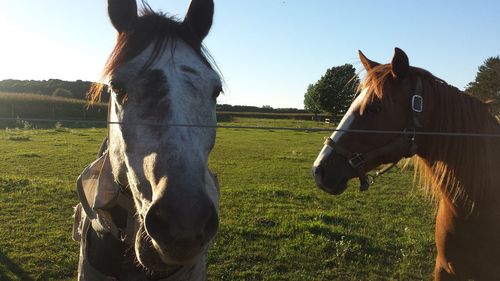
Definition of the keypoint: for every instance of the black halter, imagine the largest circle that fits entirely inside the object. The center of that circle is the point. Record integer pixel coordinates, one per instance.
(405, 142)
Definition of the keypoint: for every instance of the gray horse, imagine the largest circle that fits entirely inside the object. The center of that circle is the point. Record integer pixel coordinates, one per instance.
(149, 204)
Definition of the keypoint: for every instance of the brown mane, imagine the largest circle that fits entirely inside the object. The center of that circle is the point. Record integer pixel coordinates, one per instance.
(460, 167)
(150, 28)
(377, 77)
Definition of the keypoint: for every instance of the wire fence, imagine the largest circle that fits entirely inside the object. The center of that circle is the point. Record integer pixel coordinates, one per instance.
(269, 128)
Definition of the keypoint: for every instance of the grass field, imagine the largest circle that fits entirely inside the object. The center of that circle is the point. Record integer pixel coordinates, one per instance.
(275, 224)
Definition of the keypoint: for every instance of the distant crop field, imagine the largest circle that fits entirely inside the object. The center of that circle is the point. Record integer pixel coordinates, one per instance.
(29, 106)
(22, 107)
(275, 224)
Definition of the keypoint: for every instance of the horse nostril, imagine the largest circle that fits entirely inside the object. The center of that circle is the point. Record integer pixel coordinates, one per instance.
(157, 225)
(169, 225)
(211, 226)
(316, 172)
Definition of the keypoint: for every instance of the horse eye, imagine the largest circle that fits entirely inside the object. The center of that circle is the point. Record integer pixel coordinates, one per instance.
(119, 90)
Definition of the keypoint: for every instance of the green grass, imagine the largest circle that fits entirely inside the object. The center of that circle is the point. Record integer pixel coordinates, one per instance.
(273, 123)
(275, 224)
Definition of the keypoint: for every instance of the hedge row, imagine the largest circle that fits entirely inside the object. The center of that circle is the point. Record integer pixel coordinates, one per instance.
(33, 106)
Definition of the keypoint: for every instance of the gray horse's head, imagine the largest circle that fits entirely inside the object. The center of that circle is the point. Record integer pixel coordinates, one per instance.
(162, 114)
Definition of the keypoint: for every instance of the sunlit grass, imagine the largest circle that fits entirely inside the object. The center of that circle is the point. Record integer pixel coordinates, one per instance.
(275, 224)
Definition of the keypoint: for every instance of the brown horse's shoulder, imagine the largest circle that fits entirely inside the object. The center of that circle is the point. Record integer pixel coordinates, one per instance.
(467, 246)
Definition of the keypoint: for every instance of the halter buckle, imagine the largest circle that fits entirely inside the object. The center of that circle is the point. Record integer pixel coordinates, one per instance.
(357, 160)
(417, 103)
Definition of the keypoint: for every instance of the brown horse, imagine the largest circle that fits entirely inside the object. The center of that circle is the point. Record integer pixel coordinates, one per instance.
(458, 168)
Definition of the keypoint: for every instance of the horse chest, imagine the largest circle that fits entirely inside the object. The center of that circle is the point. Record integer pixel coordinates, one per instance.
(469, 246)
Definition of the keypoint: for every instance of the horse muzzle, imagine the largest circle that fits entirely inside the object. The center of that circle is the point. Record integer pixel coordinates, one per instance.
(179, 224)
(329, 184)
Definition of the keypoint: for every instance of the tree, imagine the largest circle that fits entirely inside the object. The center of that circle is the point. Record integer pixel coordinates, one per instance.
(311, 100)
(334, 92)
(267, 108)
(62, 93)
(487, 84)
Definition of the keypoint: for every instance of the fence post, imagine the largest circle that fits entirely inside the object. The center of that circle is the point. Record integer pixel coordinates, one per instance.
(12, 112)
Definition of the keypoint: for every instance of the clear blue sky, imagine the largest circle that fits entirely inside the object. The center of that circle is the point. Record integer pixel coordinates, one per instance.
(268, 50)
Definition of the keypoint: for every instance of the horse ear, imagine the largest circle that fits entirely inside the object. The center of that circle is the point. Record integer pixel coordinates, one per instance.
(400, 64)
(368, 64)
(122, 13)
(199, 17)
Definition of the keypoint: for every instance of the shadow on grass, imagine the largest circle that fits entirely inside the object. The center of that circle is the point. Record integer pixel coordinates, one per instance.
(7, 265)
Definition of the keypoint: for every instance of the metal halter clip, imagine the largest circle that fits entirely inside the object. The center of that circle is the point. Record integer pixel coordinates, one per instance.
(417, 103)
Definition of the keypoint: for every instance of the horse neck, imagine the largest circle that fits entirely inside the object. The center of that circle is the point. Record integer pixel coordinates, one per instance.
(459, 168)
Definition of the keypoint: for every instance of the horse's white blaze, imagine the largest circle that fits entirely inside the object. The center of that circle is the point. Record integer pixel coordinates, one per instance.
(343, 126)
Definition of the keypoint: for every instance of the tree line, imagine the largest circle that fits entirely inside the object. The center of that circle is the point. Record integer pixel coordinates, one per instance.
(53, 87)
(79, 89)
(256, 109)
(335, 90)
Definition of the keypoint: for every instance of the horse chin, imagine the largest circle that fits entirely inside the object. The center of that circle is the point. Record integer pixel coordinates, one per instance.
(153, 258)
(335, 189)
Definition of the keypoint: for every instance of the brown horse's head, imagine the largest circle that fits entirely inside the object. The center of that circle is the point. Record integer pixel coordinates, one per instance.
(389, 100)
